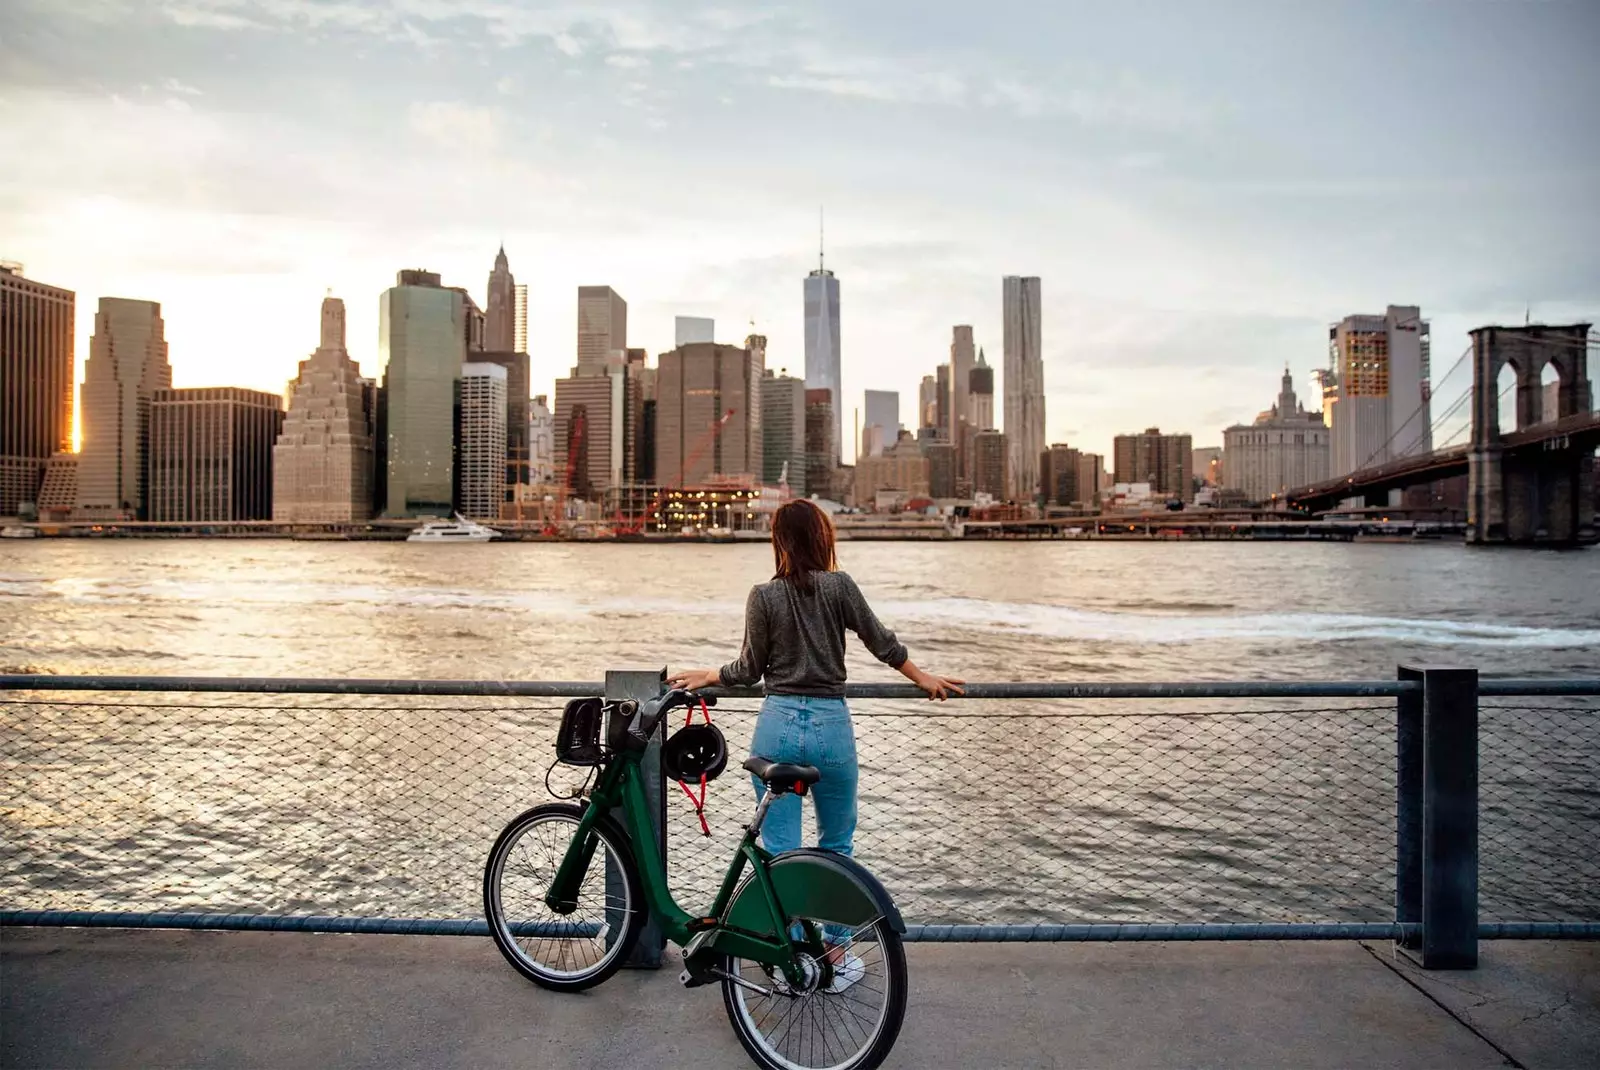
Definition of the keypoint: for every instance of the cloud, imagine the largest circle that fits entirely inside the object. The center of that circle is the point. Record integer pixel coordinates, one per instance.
(173, 85)
(626, 61)
(455, 125)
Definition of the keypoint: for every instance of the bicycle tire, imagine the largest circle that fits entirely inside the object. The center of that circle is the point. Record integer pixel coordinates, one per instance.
(612, 839)
(893, 955)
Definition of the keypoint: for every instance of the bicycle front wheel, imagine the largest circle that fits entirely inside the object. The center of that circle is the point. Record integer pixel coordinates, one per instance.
(566, 952)
(844, 1016)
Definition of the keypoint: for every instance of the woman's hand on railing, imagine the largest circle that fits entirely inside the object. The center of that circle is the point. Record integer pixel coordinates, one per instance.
(937, 687)
(694, 679)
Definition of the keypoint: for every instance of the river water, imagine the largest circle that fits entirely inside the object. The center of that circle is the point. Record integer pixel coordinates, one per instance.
(988, 811)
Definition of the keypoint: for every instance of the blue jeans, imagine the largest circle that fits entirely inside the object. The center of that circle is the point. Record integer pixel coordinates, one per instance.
(809, 731)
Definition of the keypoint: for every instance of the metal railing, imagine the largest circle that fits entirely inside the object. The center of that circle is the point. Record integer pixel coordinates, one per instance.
(1426, 809)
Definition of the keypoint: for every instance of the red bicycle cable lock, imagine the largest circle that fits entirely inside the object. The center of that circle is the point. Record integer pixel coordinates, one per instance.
(700, 803)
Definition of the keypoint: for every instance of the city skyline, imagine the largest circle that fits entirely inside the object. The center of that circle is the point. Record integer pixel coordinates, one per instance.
(1191, 227)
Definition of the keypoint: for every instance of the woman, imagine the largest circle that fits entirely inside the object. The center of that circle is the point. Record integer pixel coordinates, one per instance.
(794, 628)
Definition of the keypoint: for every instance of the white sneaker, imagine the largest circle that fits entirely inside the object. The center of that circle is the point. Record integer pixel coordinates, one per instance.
(846, 972)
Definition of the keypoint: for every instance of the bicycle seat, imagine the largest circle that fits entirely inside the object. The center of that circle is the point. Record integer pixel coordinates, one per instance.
(783, 776)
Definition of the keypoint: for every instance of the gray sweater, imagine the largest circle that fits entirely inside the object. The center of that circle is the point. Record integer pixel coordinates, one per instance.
(796, 640)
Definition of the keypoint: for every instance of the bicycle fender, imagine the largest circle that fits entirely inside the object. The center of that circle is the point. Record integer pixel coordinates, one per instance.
(816, 884)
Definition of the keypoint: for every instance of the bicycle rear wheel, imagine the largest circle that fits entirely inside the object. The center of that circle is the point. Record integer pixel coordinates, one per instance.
(566, 952)
(845, 1016)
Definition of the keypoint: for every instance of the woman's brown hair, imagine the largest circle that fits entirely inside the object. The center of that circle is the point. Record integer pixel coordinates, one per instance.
(802, 542)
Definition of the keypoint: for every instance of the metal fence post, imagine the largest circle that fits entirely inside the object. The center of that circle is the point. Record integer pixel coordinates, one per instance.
(1449, 818)
(641, 686)
(1408, 806)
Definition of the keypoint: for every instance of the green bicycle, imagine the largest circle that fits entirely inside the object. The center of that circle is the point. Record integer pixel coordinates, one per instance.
(806, 945)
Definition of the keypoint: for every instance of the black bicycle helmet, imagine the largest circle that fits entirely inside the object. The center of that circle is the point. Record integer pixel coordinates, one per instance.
(694, 751)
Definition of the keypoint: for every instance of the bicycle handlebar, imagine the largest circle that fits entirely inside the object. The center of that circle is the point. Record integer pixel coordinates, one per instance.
(651, 712)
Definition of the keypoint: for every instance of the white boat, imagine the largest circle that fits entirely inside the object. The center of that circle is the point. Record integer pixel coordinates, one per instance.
(457, 530)
(18, 531)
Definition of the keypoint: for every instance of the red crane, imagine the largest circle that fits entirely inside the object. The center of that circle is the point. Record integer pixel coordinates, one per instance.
(702, 444)
(577, 433)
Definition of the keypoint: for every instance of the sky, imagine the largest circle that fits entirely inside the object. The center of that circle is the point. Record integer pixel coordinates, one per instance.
(1202, 186)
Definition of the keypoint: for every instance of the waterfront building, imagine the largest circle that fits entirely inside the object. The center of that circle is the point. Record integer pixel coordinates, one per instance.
(541, 441)
(991, 464)
(1208, 464)
(687, 329)
(1165, 462)
(941, 457)
(500, 319)
(708, 413)
(37, 340)
(602, 329)
(1060, 477)
(323, 463)
(422, 343)
(1024, 378)
(127, 365)
(901, 467)
(821, 451)
(1285, 447)
(59, 492)
(211, 454)
(783, 431)
(1375, 393)
(482, 449)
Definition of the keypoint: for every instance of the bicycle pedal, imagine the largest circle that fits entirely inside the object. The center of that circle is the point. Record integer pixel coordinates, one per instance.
(690, 980)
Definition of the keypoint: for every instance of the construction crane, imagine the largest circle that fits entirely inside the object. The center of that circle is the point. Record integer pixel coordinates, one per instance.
(702, 444)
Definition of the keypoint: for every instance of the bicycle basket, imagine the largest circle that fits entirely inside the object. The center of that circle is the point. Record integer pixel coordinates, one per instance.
(578, 738)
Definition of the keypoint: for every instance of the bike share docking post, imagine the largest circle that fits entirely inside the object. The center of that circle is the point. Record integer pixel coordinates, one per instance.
(642, 686)
(1437, 816)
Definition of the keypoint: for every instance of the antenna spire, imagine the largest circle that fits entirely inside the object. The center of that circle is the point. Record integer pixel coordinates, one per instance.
(821, 219)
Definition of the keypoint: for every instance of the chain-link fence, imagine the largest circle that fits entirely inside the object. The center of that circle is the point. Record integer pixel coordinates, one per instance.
(978, 811)
(1539, 810)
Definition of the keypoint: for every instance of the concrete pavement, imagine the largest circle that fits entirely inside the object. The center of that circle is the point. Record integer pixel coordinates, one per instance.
(121, 998)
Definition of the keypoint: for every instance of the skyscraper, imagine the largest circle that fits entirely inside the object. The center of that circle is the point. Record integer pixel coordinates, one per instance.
(696, 387)
(519, 329)
(211, 454)
(883, 412)
(928, 403)
(422, 345)
(602, 328)
(991, 464)
(127, 365)
(686, 329)
(37, 336)
(1375, 392)
(1024, 377)
(482, 461)
(517, 461)
(823, 368)
(980, 394)
(1059, 470)
(821, 450)
(323, 463)
(957, 407)
(500, 323)
(783, 431)
(1166, 462)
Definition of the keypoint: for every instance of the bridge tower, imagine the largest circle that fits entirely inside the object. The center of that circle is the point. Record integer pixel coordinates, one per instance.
(1537, 493)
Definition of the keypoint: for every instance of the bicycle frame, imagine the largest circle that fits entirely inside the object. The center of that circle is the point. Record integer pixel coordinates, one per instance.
(620, 785)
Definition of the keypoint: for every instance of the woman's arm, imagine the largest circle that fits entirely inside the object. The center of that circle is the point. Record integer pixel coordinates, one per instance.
(890, 650)
(744, 671)
(937, 687)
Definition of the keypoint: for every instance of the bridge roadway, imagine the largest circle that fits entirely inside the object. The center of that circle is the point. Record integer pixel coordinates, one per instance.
(120, 998)
(1579, 431)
